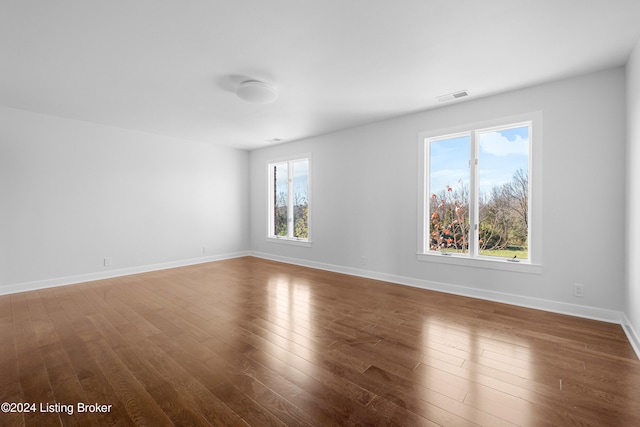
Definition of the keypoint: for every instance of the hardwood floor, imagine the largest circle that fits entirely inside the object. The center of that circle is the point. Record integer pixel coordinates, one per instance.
(254, 342)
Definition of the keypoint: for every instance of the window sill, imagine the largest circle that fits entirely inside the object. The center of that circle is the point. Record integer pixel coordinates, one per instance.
(288, 241)
(492, 264)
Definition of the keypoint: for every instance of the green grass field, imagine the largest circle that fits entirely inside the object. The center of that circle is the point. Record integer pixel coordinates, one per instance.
(502, 253)
(507, 253)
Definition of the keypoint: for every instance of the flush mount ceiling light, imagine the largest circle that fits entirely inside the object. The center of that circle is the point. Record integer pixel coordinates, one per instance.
(256, 92)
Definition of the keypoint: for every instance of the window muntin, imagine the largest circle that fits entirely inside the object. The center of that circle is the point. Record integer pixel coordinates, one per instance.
(289, 199)
(477, 193)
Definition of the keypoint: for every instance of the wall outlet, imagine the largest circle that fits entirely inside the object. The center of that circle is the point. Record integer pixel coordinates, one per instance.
(363, 260)
(204, 249)
(107, 261)
(578, 290)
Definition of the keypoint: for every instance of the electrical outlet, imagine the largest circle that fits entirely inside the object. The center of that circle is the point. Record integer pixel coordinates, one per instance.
(363, 260)
(107, 261)
(204, 249)
(578, 290)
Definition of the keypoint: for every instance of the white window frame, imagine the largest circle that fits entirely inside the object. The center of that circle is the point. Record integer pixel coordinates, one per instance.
(290, 239)
(473, 259)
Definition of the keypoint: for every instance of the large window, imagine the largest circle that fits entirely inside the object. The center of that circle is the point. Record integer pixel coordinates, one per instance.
(477, 195)
(289, 200)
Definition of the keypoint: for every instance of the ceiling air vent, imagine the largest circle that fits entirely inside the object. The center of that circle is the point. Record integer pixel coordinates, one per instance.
(453, 96)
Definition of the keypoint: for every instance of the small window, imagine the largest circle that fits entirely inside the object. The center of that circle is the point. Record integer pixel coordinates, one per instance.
(289, 200)
(476, 195)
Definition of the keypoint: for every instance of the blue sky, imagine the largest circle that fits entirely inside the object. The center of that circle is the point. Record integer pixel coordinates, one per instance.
(502, 153)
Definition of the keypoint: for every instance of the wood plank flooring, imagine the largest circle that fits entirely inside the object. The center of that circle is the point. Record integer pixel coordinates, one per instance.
(253, 342)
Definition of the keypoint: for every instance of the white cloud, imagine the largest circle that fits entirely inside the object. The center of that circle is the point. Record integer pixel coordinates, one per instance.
(496, 144)
(490, 178)
(453, 177)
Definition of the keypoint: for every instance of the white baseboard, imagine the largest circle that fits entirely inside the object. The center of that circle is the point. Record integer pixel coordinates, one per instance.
(632, 334)
(81, 278)
(593, 313)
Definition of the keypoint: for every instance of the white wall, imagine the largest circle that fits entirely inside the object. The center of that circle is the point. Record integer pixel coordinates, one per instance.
(72, 193)
(632, 308)
(364, 193)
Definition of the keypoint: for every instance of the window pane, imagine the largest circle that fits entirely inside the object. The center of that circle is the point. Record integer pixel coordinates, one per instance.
(504, 193)
(280, 198)
(301, 199)
(449, 195)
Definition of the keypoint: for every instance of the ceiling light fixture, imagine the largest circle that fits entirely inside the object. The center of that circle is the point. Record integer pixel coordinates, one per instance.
(256, 92)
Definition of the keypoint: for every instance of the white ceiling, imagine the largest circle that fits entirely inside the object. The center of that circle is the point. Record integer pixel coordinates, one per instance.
(170, 67)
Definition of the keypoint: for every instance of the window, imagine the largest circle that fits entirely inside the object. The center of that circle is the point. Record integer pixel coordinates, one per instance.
(289, 200)
(477, 196)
